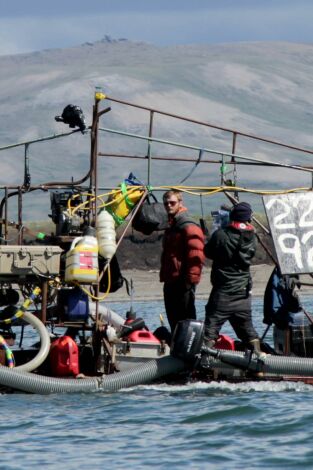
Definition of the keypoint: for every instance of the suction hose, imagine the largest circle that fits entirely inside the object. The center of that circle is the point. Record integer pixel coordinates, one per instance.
(44, 343)
(283, 365)
(22, 312)
(145, 373)
(107, 315)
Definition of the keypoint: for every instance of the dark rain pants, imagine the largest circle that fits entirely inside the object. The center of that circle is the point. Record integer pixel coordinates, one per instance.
(234, 308)
(179, 302)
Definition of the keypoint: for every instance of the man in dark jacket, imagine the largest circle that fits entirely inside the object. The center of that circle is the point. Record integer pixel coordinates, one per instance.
(232, 249)
(181, 261)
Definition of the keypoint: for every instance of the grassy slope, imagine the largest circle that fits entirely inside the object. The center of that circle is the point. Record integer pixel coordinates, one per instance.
(261, 88)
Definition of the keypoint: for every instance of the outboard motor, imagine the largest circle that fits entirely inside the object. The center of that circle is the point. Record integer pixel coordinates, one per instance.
(187, 340)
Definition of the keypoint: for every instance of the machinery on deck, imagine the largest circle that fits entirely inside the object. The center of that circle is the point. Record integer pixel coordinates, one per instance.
(57, 283)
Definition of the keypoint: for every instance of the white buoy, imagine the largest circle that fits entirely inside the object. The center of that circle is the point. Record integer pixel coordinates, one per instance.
(106, 234)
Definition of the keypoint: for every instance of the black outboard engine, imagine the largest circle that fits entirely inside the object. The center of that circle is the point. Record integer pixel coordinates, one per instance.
(187, 340)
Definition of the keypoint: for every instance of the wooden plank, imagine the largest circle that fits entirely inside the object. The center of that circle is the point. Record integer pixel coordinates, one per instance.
(290, 218)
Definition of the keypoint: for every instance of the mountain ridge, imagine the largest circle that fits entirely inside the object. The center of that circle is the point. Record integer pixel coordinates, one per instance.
(259, 88)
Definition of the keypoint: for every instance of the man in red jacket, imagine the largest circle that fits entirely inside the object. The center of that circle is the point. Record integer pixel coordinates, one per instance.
(181, 261)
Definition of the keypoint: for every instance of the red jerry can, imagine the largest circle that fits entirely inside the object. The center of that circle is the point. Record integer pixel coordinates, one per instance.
(64, 357)
(225, 342)
(143, 336)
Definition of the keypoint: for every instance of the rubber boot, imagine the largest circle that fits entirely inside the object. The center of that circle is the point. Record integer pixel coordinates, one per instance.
(205, 359)
(208, 343)
(256, 345)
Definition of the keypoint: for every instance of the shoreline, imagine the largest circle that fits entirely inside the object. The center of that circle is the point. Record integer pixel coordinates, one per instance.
(148, 287)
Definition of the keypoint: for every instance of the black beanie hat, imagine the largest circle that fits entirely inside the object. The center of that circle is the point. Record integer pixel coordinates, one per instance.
(242, 212)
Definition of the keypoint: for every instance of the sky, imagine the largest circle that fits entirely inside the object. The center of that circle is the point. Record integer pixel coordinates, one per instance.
(33, 25)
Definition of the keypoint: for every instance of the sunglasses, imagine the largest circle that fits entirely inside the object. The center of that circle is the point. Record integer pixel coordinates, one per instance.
(170, 203)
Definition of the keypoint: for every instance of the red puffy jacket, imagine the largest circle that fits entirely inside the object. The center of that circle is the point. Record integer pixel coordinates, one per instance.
(182, 255)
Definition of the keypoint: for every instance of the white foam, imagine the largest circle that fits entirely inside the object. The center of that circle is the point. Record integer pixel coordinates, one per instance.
(252, 386)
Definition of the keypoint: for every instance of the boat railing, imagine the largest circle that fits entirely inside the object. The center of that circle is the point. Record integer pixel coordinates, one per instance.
(233, 132)
(221, 157)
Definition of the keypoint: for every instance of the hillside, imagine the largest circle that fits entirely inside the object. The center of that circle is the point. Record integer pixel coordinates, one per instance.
(141, 252)
(260, 88)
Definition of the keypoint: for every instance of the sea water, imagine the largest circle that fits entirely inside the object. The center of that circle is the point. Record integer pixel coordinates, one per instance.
(197, 426)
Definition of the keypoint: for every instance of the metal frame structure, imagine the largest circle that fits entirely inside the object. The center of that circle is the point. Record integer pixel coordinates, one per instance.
(232, 157)
(90, 180)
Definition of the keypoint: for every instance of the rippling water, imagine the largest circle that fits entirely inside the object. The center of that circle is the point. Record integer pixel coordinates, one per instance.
(200, 426)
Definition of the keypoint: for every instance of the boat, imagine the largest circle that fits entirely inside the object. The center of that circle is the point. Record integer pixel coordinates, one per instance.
(58, 283)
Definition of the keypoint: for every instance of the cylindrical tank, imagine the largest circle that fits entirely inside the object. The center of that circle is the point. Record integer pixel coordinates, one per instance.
(106, 234)
(82, 260)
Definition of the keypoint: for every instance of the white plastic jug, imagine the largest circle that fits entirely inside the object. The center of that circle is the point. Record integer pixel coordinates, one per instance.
(82, 260)
(106, 234)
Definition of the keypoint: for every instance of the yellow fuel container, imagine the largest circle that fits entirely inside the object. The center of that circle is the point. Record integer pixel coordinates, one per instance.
(123, 201)
(81, 263)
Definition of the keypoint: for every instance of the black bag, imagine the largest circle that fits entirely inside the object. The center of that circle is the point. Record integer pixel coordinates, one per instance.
(117, 280)
(151, 216)
(73, 116)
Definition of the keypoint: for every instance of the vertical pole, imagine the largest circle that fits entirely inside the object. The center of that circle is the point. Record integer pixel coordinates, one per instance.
(93, 155)
(27, 178)
(6, 216)
(233, 150)
(222, 171)
(20, 221)
(149, 147)
(234, 161)
(94, 179)
(44, 294)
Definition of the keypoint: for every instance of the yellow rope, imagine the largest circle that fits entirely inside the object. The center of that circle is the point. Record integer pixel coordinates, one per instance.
(209, 190)
(192, 190)
(105, 294)
(72, 209)
(86, 204)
